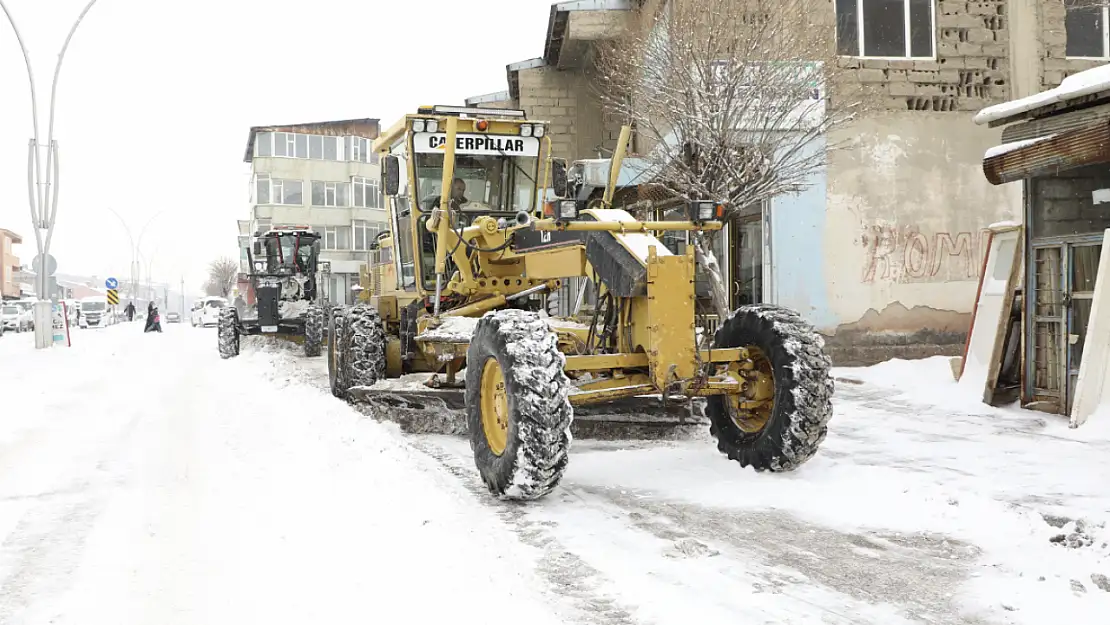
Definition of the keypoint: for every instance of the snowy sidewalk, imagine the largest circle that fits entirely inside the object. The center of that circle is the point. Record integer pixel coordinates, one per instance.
(163, 485)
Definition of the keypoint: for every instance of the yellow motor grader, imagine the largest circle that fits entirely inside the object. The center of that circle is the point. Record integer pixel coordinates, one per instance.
(477, 243)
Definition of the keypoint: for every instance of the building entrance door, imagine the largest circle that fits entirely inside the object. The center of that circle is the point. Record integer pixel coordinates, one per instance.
(1062, 284)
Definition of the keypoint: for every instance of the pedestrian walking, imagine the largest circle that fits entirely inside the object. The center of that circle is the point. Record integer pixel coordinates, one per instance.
(153, 319)
(130, 311)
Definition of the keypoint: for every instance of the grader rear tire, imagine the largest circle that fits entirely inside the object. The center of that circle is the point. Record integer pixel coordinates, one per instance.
(361, 358)
(227, 332)
(336, 379)
(517, 410)
(785, 347)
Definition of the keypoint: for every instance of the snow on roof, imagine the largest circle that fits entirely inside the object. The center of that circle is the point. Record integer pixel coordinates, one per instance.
(1074, 86)
(999, 150)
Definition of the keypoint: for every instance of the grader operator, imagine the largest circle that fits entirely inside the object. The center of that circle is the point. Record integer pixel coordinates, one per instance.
(463, 284)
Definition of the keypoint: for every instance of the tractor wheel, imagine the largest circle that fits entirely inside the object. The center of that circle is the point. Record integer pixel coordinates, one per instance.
(335, 337)
(227, 332)
(313, 331)
(517, 409)
(361, 358)
(788, 391)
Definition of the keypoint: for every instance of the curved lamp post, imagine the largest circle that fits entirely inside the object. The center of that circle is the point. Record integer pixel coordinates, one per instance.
(43, 199)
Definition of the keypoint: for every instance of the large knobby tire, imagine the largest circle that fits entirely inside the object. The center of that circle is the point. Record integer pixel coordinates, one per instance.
(361, 358)
(787, 347)
(313, 331)
(336, 379)
(227, 332)
(517, 410)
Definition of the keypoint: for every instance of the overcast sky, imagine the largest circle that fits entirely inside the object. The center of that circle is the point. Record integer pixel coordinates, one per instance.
(155, 100)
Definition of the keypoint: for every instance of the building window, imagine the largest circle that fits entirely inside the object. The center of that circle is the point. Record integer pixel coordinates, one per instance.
(366, 193)
(365, 232)
(323, 148)
(1087, 35)
(885, 28)
(286, 191)
(262, 189)
(358, 149)
(329, 194)
(337, 238)
(264, 144)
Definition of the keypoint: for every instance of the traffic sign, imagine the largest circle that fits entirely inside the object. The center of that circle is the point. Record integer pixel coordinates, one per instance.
(113, 297)
(111, 283)
(51, 264)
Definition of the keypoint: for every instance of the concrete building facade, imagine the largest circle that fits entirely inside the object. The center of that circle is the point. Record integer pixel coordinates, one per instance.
(9, 265)
(882, 250)
(321, 175)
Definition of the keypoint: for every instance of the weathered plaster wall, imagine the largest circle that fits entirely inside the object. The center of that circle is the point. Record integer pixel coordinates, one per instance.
(905, 233)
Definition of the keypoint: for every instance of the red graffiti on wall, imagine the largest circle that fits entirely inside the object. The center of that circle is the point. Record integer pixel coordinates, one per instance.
(906, 254)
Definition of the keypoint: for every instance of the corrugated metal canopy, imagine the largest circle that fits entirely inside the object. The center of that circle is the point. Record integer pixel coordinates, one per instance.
(1085, 146)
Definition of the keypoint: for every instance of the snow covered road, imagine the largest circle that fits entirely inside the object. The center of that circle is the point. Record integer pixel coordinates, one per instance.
(161, 484)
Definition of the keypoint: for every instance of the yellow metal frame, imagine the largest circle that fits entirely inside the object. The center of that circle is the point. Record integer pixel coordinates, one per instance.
(656, 354)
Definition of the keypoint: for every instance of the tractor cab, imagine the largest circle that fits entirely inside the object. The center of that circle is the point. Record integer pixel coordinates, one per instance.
(285, 251)
(494, 172)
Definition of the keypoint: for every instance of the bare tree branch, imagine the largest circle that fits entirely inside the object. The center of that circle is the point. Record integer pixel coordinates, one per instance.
(733, 98)
(222, 275)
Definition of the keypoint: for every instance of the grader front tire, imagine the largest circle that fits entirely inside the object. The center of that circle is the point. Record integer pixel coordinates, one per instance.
(517, 410)
(787, 355)
(336, 379)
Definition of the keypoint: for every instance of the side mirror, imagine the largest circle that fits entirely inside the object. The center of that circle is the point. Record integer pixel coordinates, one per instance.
(559, 177)
(391, 175)
(258, 248)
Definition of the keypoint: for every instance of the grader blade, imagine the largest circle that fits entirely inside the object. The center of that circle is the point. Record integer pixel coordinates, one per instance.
(443, 411)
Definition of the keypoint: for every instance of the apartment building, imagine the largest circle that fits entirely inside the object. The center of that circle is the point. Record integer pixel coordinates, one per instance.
(9, 265)
(882, 249)
(322, 175)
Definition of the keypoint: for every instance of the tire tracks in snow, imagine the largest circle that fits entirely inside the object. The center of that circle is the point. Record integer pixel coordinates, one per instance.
(569, 575)
(815, 569)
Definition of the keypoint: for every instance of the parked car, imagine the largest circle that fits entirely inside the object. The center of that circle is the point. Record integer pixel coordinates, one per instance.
(15, 319)
(95, 313)
(206, 311)
(172, 317)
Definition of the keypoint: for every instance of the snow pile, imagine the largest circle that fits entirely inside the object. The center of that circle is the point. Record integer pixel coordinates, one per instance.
(451, 330)
(1077, 85)
(637, 243)
(294, 309)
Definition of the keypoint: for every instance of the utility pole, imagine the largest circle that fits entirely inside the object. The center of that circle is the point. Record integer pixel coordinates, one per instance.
(182, 296)
(44, 205)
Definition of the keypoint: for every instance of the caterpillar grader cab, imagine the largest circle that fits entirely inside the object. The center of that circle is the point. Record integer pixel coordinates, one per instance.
(459, 286)
(283, 276)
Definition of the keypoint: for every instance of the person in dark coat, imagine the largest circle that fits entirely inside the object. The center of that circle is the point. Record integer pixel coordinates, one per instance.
(153, 319)
(130, 311)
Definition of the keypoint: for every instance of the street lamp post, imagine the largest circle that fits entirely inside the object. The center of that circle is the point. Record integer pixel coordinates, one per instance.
(43, 203)
(134, 260)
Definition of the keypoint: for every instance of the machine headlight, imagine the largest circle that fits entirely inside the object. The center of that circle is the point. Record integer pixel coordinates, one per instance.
(537, 130)
(568, 209)
(526, 130)
(699, 211)
(418, 125)
(260, 266)
(431, 125)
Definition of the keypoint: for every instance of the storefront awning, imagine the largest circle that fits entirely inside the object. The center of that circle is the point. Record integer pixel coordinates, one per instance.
(1049, 155)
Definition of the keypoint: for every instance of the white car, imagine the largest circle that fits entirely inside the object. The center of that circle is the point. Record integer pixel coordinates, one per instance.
(206, 311)
(13, 319)
(95, 313)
